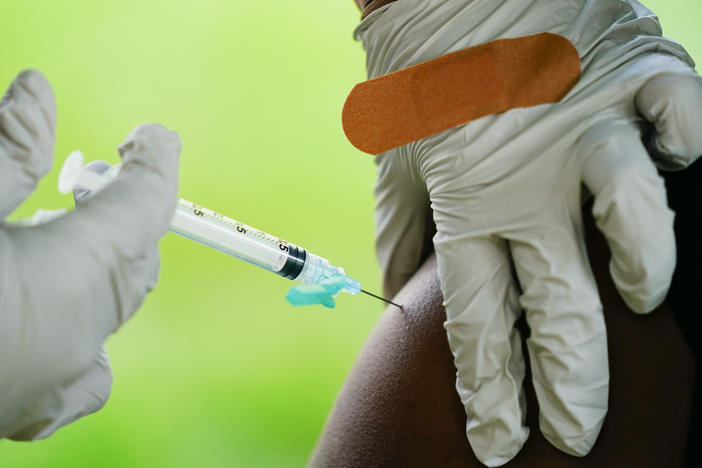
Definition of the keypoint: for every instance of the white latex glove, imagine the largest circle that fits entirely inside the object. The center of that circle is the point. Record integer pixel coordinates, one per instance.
(67, 284)
(505, 192)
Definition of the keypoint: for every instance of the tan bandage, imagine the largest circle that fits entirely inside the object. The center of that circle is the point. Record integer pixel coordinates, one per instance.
(428, 98)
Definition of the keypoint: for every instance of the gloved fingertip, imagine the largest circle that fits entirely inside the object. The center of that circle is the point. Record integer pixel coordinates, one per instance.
(33, 80)
(32, 84)
(151, 137)
(671, 102)
(577, 445)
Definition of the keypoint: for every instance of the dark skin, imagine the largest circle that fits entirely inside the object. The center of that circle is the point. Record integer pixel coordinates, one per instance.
(399, 407)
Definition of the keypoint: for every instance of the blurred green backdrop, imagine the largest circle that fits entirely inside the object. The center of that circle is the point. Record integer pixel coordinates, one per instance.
(216, 369)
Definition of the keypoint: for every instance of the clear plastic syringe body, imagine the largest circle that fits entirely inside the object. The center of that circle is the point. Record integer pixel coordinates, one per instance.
(227, 235)
(254, 246)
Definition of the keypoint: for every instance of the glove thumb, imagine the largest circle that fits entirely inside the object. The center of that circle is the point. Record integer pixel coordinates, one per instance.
(135, 210)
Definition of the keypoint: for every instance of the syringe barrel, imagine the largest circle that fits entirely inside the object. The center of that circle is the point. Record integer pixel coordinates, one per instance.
(238, 240)
(227, 235)
(254, 246)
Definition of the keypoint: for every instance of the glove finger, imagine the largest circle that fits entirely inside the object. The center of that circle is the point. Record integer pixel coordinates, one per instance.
(80, 193)
(568, 342)
(26, 130)
(482, 307)
(32, 86)
(135, 210)
(672, 102)
(65, 403)
(404, 226)
(27, 123)
(631, 210)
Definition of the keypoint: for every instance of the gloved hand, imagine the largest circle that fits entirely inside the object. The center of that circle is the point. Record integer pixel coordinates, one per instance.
(70, 282)
(505, 193)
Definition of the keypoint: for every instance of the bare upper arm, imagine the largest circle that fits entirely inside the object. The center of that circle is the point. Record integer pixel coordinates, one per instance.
(399, 406)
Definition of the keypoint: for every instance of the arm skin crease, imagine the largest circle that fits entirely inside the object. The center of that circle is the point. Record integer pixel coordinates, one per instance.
(399, 407)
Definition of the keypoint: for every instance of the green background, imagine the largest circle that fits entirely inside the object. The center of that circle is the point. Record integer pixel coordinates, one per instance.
(217, 369)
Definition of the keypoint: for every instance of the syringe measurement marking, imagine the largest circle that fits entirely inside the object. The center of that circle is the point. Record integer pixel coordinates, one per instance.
(242, 228)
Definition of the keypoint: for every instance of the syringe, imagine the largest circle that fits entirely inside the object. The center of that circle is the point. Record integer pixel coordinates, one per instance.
(224, 234)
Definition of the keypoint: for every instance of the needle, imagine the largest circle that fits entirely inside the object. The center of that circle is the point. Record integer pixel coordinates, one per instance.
(382, 299)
